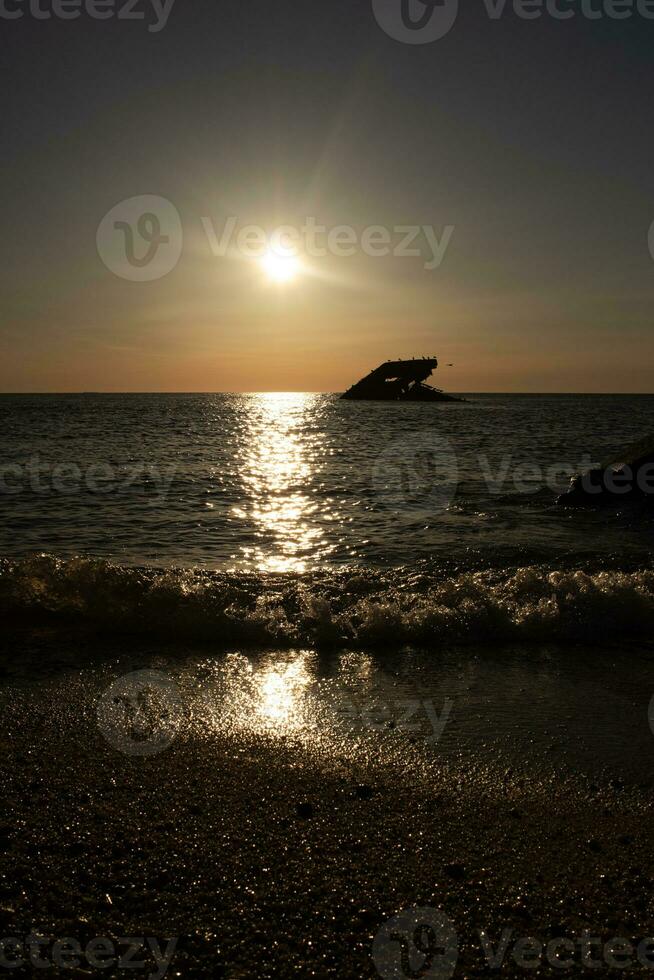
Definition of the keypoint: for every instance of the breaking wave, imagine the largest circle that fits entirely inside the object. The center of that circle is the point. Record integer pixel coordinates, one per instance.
(364, 608)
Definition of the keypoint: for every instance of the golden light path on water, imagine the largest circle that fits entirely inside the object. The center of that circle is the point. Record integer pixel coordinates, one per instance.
(282, 453)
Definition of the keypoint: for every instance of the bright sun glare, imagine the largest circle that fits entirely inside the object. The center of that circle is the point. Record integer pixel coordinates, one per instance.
(280, 268)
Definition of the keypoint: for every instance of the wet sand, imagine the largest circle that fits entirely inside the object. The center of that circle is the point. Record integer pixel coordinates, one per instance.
(277, 832)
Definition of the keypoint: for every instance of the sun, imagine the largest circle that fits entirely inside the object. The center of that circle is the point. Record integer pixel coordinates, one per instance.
(280, 268)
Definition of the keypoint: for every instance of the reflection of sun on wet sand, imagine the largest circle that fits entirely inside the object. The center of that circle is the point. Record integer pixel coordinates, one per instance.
(271, 808)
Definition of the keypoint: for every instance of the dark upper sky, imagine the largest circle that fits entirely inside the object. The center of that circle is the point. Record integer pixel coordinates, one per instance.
(533, 139)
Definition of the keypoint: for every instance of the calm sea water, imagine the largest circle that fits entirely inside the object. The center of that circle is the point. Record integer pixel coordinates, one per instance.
(292, 518)
(299, 482)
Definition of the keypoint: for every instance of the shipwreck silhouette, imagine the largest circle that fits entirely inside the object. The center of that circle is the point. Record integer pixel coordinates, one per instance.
(401, 381)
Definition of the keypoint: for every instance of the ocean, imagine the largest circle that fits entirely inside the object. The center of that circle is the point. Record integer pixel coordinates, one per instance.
(264, 654)
(292, 518)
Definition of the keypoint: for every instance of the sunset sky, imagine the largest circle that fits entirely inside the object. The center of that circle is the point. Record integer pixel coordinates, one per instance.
(275, 112)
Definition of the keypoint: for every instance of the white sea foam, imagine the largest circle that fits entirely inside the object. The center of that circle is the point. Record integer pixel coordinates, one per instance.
(362, 608)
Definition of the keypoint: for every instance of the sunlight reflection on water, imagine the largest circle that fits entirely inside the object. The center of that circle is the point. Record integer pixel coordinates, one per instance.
(281, 460)
(301, 482)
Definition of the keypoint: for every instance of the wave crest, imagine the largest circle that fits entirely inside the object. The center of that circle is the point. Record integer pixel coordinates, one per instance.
(360, 608)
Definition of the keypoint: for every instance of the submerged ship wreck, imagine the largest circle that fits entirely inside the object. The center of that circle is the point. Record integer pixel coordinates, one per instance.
(400, 381)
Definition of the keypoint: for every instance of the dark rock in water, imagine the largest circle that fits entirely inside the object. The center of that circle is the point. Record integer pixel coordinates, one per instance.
(626, 478)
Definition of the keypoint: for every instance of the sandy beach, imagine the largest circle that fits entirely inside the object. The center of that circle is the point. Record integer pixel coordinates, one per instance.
(265, 844)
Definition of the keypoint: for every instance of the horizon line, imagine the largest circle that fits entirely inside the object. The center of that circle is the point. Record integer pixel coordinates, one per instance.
(302, 391)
